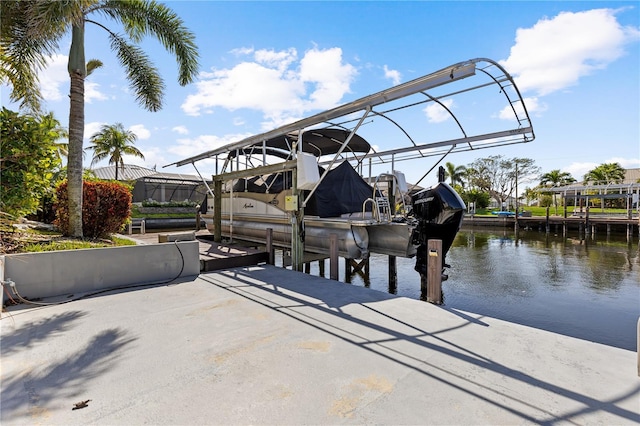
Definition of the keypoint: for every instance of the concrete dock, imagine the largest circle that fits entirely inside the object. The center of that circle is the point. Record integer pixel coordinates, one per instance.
(265, 345)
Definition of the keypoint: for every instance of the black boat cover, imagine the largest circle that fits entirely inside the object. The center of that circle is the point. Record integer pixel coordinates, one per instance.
(342, 191)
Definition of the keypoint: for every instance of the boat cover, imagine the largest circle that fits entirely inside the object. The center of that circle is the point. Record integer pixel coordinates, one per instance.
(342, 191)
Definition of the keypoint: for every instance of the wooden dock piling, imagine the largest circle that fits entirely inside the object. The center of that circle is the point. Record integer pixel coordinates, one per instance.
(434, 271)
(333, 257)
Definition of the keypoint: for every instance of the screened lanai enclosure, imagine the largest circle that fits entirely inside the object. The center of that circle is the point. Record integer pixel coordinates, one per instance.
(149, 185)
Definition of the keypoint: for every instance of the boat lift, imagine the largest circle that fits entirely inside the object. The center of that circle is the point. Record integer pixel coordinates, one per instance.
(444, 89)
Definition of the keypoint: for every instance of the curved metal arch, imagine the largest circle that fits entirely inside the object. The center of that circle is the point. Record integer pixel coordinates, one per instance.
(503, 91)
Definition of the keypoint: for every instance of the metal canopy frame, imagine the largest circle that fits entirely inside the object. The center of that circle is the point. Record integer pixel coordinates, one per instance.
(344, 117)
(464, 77)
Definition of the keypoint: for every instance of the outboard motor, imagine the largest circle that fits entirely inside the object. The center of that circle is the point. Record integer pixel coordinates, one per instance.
(439, 211)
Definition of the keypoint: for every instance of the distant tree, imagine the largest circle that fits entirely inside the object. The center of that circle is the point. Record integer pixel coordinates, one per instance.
(29, 160)
(498, 176)
(30, 34)
(530, 194)
(480, 199)
(455, 173)
(112, 142)
(556, 178)
(605, 173)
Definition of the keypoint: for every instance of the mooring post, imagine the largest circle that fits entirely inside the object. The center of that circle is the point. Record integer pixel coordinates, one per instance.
(393, 273)
(333, 257)
(269, 247)
(347, 270)
(547, 222)
(217, 211)
(434, 271)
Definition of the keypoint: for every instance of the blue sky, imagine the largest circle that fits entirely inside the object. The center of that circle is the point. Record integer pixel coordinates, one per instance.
(264, 64)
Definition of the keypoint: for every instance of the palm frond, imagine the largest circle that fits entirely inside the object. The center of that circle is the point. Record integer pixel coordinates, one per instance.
(144, 78)
(148, 18)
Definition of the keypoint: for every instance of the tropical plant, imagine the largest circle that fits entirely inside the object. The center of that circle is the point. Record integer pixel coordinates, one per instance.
(605, 173)
(480, 199)
(31, 31)
(29, 160)
(106, 207)
(556, 178)
(112, 142)
(455, 173)
(530, 194)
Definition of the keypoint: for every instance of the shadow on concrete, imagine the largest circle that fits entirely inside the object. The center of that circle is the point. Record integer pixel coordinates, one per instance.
(34, 332)
(333, 299)
(64, 379)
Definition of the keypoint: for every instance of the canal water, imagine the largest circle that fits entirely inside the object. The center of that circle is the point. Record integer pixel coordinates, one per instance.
(584, 287)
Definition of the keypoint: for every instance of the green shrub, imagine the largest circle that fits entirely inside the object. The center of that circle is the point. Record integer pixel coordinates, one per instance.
(480, 198)
(106, 207)
(154, 203)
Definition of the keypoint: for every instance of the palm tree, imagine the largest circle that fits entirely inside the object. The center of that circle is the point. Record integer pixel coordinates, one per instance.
(31, 31)
(556, 178)
(112, 142)
(605, 173)
(455, 174)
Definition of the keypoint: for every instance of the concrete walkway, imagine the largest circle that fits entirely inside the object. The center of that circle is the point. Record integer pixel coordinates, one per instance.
(264, 345)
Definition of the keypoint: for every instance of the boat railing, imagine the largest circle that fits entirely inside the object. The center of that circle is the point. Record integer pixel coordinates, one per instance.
(380, 209)
(383, 205)
(374, 208)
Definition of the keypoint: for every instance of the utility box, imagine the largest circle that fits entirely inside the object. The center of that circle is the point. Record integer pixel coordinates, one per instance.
(291, 202)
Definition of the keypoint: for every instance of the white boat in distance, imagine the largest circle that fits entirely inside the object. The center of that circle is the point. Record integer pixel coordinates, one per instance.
(314, 177)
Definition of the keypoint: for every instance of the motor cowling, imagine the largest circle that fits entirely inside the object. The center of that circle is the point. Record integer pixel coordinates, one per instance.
(439, 211)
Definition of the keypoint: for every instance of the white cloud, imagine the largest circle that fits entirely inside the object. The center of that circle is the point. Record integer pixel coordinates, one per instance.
(626, 163)
(273, 85)
(436, 113)
(555, 53)
(578, 170)
(54, 78)
(54, 82)
(140, 131)
(188, 147)
(92, 93)
(393, 75)
(533, 104)
(153, 157)
(92, 128)
(181, 130)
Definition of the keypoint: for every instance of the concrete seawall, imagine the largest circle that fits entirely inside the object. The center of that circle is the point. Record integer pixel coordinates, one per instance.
(65, 272)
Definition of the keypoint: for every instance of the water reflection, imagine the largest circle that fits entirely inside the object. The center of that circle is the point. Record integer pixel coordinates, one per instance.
(586, 288)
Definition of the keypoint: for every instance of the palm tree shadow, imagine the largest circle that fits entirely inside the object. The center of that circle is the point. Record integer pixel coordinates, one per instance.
(63, 380)
(34, 332)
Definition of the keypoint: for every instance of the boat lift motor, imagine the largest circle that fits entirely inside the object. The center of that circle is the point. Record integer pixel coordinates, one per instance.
(439, 211)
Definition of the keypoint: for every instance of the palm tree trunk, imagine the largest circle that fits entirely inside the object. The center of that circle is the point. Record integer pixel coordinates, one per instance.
(76, 132)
